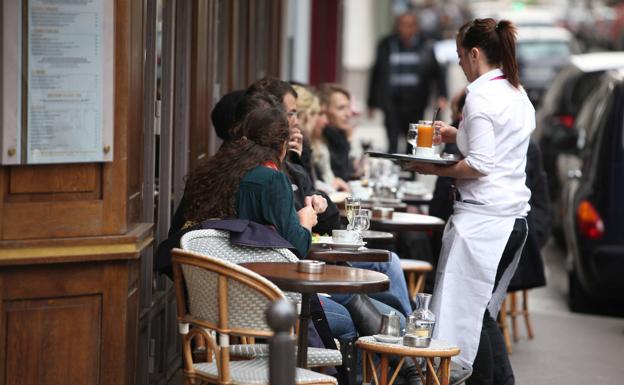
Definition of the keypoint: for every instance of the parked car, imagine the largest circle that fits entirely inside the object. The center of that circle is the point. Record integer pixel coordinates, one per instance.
(542, 52)
(593, 204)
(556, 132)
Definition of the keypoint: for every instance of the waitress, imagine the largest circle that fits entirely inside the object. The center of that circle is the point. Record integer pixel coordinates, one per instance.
(483, 239)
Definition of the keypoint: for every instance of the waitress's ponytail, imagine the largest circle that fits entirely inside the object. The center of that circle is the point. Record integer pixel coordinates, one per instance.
(507, 36)
(496, 40)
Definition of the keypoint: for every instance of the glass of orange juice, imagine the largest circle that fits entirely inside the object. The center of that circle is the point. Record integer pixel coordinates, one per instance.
(424, 140)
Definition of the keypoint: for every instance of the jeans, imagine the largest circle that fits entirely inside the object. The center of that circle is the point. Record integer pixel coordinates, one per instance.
(339, 318)
(398, 287)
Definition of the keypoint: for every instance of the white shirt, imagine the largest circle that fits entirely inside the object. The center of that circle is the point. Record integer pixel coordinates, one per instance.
(494, 137)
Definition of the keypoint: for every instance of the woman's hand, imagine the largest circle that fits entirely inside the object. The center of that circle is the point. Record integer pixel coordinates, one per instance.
(447, 133)
(318, 203)
(295, 142)
(422, 168)
(307, 216)
(340, 185)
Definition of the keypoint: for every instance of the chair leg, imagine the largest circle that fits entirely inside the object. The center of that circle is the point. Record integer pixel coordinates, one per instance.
(525, 312)
(502, 323)
(420, 283)
(513, 312)
(383, 375)
(411, 284)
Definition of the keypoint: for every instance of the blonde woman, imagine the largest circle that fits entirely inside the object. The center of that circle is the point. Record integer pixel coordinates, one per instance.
(312, 120)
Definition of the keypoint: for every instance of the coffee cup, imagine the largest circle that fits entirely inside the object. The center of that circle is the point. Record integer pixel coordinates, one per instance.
(345, 236)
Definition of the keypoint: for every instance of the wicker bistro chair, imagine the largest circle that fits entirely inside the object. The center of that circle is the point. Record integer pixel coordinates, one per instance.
(216, 243)
(225, 298)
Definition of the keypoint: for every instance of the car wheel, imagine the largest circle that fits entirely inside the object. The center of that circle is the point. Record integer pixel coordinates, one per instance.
(578, 300)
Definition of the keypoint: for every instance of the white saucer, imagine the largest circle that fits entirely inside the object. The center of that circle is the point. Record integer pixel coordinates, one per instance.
(347, 246)
(387, 339)
(327, 241)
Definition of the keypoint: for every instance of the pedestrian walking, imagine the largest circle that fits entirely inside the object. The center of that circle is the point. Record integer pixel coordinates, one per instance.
(402, 78)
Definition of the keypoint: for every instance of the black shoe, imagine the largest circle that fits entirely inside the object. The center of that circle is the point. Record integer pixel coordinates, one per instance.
(459, 374)
(365, 316)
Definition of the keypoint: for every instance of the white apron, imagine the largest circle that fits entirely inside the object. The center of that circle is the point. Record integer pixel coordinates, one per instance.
(472, 246)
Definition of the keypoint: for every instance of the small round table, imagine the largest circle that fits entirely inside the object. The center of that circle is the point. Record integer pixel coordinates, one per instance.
(377, 236)
(437, 349)
(408, 222)
(417, 200)
(361, 255)
(333, 279)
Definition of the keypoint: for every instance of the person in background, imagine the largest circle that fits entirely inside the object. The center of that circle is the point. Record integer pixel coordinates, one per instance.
(313, 119)
(484, 237)
(338, 131)
(402, 77)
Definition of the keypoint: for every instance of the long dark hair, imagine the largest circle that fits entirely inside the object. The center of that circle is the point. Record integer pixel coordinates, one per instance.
(211, 188)
(496, 40)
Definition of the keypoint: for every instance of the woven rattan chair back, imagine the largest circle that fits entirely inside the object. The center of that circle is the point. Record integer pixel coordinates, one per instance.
(221, 295)
(216, 243)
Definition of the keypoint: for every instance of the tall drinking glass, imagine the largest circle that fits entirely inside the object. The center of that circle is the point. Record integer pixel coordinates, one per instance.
(361, 221)
(412, 134)
(351, 205)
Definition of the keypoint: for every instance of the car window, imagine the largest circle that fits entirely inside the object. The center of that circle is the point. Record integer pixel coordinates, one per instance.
(584, 85)
(591, 115)
(555, 100)
(532, 51)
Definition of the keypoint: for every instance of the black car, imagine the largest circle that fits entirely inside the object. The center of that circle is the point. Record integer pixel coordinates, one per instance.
(594, 201)
(555, 129)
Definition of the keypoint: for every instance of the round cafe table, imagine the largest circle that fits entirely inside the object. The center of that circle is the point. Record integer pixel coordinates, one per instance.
(360, 255)
(408, 222)
(417, 200)
(333, 279)
(377, 236)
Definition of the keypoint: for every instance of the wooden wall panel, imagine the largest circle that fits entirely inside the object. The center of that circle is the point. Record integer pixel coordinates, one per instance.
(202, 73)
(136, 151)
(53, 341)
(57, 178)
(36, 220)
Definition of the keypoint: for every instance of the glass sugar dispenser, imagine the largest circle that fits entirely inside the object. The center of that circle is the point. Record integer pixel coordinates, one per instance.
(420, 323)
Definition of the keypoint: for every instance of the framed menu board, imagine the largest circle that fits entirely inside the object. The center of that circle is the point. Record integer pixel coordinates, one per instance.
(66, 104)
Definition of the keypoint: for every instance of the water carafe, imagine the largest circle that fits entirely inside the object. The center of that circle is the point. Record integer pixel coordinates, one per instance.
(422, 321)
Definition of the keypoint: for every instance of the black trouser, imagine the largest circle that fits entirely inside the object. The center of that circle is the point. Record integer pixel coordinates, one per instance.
(491, 365)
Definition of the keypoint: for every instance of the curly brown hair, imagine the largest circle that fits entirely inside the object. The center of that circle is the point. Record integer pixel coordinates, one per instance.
(211, 188)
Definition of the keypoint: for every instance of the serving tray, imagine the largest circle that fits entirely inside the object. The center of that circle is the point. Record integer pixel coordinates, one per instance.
(444, 159)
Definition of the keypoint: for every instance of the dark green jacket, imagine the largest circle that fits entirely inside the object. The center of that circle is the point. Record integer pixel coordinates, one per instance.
(265, 196)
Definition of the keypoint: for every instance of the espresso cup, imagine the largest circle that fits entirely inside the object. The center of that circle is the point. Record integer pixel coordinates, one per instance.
(345, 236)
